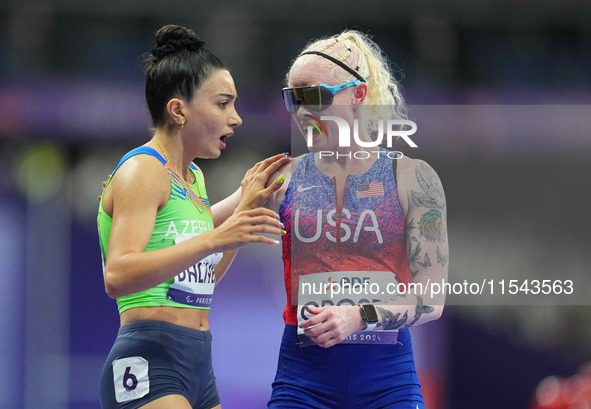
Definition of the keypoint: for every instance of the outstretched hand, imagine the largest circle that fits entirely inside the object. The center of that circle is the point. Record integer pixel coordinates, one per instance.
(245, 227)
(256, 186)
(331, 325)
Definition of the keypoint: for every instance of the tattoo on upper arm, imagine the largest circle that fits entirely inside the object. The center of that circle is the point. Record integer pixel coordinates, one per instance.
(410, 226)
(441, 259)
(431, 225)
(432, 196)
(414, 253)
(426, 261)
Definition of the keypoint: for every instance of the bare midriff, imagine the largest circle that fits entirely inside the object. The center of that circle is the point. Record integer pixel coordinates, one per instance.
(185, 317)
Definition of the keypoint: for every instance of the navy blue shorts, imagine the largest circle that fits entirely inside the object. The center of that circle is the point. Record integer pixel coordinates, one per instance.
(351, 376)
(152, 359)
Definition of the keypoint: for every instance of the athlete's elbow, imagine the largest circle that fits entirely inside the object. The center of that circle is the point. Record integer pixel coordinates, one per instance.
(111, 289)
(437, 312)
(113, 285)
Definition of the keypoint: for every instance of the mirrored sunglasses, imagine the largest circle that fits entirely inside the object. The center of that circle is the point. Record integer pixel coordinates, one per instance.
(315, 97)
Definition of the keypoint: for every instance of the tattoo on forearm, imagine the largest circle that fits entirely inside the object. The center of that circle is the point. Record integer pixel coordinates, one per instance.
(391, 320)
(420, 309)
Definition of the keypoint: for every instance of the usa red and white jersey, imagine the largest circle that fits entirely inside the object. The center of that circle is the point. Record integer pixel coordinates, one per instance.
(366, 234)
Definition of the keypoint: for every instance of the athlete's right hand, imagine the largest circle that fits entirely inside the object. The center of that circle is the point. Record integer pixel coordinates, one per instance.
(245, 227)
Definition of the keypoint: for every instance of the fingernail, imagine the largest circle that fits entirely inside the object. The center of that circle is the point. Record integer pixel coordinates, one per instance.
(281, 179)
(277, 217)
(286, 153)
(283, 232)
(277, 242)
(282, 226)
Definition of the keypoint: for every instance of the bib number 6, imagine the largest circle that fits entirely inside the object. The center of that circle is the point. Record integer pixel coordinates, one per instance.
(130, 378)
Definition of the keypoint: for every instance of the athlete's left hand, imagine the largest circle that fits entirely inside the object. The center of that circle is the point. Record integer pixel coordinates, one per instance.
(256, 184)
(331, 325)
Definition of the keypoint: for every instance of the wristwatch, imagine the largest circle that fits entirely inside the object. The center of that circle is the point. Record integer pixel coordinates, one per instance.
(370, 316)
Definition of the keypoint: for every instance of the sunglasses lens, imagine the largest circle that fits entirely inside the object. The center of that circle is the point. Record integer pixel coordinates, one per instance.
(325, 98)
(314, 98)
(290, 100)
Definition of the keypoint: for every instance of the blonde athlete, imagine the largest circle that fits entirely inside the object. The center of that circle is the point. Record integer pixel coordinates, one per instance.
(378, 219)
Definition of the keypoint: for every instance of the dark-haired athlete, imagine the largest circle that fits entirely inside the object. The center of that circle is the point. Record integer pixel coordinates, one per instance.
(162, 255)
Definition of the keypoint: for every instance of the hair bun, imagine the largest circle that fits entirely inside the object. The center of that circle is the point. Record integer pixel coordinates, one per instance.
(172, 38)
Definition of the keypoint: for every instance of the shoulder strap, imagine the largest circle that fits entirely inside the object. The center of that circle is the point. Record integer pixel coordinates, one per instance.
(394, 165)
(199, 178)
(138, 151)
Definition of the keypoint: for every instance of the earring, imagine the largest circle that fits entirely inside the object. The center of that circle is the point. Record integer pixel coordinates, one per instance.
(181, 122)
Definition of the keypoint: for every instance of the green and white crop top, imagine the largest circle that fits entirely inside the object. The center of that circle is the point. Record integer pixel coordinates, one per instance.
(185, 215)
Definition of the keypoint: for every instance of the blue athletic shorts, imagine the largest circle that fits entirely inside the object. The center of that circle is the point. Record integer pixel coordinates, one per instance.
(151, 359)
(352, 376)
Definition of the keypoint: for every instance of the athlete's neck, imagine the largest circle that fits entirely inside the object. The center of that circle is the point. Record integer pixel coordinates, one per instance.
(172, 152)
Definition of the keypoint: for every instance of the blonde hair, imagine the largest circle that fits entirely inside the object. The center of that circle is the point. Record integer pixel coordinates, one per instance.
(359, 52)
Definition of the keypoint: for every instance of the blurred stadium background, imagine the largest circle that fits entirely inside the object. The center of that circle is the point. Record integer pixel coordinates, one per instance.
(71, 103)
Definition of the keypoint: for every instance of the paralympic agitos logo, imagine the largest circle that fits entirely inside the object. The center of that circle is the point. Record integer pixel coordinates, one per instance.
(392, 129)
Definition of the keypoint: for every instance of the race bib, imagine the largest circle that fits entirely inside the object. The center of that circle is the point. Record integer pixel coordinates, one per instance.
(130, 378)
(195, 285)
(345, 288)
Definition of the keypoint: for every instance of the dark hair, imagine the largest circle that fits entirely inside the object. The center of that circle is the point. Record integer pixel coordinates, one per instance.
(176, 68)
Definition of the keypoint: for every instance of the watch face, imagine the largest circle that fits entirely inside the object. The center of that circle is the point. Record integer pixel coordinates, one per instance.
(369, 313)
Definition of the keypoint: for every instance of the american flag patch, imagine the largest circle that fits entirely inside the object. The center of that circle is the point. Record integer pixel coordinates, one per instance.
(370, 189)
